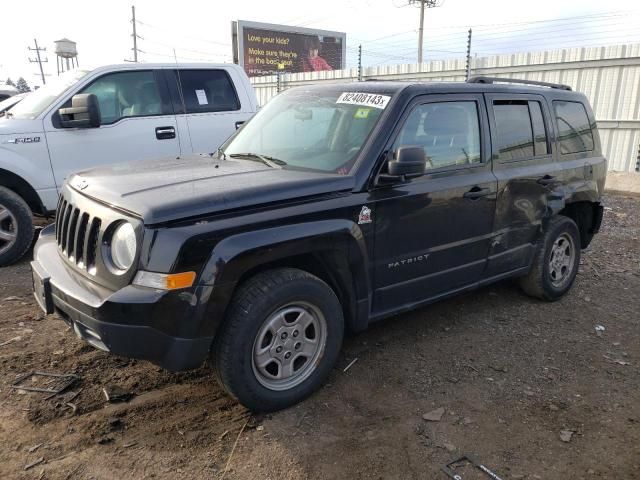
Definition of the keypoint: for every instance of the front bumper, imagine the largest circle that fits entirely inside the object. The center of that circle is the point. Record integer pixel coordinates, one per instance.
(134, 322)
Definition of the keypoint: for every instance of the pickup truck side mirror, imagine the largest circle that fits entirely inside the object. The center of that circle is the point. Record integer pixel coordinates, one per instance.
(83, 113)
(408, 162)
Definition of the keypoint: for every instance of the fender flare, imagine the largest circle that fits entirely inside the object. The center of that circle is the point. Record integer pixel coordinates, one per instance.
(236, 255)
(20, 186)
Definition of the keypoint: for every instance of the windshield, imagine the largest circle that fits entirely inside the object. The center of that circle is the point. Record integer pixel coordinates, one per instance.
(36, 102)
(310, 130)
(9, 102)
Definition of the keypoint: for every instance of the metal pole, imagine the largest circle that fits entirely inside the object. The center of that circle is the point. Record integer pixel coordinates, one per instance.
(359, 63)
(135, 35)
(421, 31)
(39, 61)
(468, 75)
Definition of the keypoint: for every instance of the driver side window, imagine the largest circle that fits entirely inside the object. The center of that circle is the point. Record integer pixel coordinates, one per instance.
(126, 94)
(449, 132)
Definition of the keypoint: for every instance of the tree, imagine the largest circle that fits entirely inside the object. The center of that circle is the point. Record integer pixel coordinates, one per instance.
(10, 82)
(22, 86)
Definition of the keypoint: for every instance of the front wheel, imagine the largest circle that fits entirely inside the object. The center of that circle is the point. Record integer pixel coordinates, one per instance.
(555, 265)
(16, 227)
(280, 339)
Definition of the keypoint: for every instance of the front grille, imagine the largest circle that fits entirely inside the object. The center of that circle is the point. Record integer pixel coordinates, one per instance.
(77, 234)
(83, 230)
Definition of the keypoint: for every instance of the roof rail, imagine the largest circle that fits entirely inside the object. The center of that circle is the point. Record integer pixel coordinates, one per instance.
(492, 80)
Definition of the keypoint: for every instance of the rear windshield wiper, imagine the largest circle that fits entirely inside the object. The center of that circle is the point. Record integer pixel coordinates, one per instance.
(267, 160)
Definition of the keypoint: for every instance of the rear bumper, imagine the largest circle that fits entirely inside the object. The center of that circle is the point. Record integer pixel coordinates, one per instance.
(134, 322)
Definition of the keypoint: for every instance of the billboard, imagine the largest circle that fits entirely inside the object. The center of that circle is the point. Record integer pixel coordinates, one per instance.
(265, 49)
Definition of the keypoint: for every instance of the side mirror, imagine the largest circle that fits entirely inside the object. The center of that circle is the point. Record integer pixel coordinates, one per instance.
(83, 113)
(408, 162)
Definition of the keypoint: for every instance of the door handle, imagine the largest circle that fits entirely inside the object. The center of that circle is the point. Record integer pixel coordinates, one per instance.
(477, 192)
(165, 133)
(546, 180)
(239, 124)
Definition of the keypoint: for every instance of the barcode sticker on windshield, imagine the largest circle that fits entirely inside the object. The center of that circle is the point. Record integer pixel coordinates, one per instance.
(364, 99)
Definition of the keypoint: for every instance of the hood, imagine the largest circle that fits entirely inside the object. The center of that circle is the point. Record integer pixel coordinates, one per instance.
(15, 126)
(170, 189)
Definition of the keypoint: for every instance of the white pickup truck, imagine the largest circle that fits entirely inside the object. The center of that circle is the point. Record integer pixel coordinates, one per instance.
(116, 113)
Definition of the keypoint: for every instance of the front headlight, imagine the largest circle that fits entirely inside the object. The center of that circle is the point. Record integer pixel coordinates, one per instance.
(123, 246)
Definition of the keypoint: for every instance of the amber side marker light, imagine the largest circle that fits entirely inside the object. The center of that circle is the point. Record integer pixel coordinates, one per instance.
(164, 281)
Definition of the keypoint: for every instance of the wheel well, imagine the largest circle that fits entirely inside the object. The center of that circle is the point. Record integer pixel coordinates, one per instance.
(20, 186)
(327, 266)
(583, 213)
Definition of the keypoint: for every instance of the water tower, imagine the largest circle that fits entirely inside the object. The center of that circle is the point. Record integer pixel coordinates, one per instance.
(66, 55)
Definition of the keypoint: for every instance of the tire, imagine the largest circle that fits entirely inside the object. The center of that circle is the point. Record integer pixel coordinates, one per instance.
(16, 227)
(556, 262)
(278, 301)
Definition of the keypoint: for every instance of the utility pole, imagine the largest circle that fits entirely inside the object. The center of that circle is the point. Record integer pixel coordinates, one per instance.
(468, 72)
(38, 60)
(134, 35)
(423, 4)
(360, 62)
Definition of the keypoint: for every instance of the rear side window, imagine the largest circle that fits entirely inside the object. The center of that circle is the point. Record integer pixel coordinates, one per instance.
(520, 130)
(449, 132)
(514, 135)
(207, 91)
(574, 129)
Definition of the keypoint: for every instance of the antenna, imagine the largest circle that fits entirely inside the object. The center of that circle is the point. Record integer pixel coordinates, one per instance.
(184, 105)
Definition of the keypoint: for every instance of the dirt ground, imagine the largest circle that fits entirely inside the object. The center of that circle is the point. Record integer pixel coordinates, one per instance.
(512, 374)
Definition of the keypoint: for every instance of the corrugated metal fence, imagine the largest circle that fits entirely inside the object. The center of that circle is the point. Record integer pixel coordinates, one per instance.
(609, 76)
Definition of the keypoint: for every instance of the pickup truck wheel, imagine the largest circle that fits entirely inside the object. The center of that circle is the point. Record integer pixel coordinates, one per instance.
(555, 265)
(280, 339)
(16, 227)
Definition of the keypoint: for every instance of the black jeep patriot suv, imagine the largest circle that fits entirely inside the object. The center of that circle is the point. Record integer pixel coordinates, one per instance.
(334, 207)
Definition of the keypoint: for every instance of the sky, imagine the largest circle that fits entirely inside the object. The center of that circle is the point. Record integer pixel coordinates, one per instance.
(386, 29)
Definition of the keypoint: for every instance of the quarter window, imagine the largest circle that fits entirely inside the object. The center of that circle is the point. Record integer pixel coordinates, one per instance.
(126, 94)
(574, 129)
(449, 132)
(539, 132)
(207, 91)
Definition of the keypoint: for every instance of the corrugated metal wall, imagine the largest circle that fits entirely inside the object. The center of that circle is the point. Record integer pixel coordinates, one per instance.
(609, 76)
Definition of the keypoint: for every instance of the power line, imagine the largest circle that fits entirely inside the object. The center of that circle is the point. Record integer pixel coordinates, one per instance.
(459, 36)
(200, 39)
(510, 27)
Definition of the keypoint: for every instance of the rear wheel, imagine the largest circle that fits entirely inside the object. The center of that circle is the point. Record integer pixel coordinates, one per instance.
(556, 263)
(280, 339)
(16, 227)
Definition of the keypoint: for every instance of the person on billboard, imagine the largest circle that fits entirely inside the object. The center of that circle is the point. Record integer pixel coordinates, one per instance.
(313, 62)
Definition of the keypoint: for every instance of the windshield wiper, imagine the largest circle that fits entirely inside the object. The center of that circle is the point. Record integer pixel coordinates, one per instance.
(267, 160)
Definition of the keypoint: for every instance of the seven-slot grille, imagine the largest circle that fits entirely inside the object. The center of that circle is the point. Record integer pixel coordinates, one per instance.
(77, 234)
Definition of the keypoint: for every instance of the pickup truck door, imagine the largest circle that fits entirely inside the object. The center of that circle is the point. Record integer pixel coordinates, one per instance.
(432, 233)
(526, 172)
(210, 104)
(137, 124)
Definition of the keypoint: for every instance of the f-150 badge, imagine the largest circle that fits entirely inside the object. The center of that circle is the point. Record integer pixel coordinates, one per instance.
(365, 215)
(19, 140)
